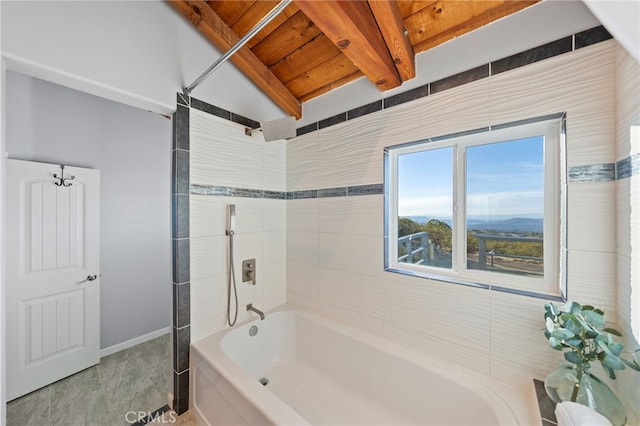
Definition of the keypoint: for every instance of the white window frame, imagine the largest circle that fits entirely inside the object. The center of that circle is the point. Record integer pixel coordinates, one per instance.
(554, 281)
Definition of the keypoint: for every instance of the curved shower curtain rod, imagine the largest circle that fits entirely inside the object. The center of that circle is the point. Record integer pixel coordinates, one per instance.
(233, 49)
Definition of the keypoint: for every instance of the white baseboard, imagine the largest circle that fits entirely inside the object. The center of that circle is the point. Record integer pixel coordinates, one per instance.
(132, 342)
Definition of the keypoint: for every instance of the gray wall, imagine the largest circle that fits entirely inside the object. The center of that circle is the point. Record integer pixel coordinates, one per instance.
(131, 148)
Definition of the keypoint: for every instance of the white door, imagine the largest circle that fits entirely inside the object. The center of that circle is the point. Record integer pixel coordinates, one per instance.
(53, 274)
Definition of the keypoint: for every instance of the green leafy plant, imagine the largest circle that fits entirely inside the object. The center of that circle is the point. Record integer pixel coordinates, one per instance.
(581, 332)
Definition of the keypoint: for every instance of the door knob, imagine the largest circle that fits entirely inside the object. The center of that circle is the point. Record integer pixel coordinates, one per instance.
(89, 278)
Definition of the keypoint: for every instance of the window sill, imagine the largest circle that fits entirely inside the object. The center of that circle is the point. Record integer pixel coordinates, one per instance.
(484, 286)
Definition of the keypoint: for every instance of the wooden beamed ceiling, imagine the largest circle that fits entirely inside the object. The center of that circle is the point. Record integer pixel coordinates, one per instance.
(314, 46)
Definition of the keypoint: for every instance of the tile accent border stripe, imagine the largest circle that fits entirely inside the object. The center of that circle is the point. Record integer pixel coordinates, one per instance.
(346, 191)
(628, 167)
(227, 191)
(564, 45)
(593, 173)
(607, 172)
(223, 113)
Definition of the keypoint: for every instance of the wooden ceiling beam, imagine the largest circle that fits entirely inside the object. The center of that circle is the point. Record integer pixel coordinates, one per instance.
(210, 25)
(352, 27)
(387, 15)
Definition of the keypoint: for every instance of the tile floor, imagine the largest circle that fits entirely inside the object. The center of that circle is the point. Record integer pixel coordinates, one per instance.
(134, 379)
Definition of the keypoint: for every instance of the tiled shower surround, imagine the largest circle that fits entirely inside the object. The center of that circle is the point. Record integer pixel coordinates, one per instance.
(311, 212)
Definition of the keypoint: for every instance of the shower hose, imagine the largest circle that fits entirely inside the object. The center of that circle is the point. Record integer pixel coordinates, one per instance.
(231, 282)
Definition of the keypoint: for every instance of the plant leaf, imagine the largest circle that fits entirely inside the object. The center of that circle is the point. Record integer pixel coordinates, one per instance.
(572, 357)
(576, 343)
(562, 334)
(588, 308)
(604, 346)
(633, 365)
(594, 318)
(572, 325)
(550, 325)
(572, 307)
(613, 362)
(555, 343)
(547, 308)
(616, 348)
(612, 331)
(592, 334)
(585, 325)
(601, 338)
(612, 374)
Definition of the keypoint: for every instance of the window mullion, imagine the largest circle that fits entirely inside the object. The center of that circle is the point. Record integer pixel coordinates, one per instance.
(459, 227)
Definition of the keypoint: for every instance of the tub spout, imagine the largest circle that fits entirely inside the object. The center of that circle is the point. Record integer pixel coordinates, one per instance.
(250, 307)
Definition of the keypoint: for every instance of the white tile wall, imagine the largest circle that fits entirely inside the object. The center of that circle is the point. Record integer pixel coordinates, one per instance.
(592, 279)
(496, 333)
(590, 207)
(302, 215)
(221, 155)
(360, 215)
(350, 153)
(302, 153)
(326, 255)
(274, 215)
(578, 83)
(589, 138)
(519, 350)
(462, 108)
(274, 163)
(628, 218)
(628, 108)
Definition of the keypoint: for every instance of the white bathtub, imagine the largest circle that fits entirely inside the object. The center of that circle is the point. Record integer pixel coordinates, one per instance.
(322, 373)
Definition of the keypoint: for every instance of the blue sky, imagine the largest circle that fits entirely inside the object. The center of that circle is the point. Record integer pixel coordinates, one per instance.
(504, 179)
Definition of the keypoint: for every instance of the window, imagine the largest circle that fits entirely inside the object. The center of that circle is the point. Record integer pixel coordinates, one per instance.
(485, 207)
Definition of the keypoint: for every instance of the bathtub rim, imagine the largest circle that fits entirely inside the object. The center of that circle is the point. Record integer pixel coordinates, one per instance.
(269, 405)
(510, 404)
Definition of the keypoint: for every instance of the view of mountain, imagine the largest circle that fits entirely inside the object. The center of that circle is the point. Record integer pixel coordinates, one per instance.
(515, 224)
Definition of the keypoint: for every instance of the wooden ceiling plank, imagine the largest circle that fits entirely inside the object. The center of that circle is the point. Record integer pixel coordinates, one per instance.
(329, 71)
(391, 26)
(447, 19)
(258, 11)
(209, 24)
(230, 11)
(409, 7)
(298, 30)
(329, 87)
(352, 27)
(306, 57)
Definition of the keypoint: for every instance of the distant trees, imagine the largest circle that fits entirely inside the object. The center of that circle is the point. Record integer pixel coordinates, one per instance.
(407, 226)
(440, 234)
(472, 242)
(516, 248)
